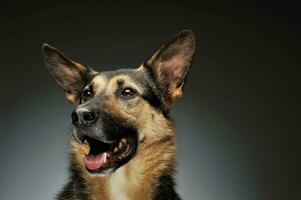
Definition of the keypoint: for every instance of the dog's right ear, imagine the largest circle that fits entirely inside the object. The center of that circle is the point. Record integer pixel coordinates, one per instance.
(70, 75)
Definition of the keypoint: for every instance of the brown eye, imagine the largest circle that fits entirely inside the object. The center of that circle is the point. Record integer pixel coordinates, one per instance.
(128, 92)
(87, 94)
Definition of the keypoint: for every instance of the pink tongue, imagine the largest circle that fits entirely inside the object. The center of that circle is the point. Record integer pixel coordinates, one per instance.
(93, 162)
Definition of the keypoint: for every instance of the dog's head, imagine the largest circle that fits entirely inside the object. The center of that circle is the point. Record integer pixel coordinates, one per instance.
(117, 112)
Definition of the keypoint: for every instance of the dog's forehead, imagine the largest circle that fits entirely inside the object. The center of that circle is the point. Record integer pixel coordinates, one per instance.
(108, 82)
(103, 79)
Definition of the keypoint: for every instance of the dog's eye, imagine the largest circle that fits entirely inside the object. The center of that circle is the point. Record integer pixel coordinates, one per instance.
(86, 94)
(128, 93)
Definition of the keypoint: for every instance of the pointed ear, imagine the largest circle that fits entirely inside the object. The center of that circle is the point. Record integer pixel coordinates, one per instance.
(170, 64)
(70, 75)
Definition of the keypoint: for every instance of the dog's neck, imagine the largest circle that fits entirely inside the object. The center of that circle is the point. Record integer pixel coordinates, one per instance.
(139, 178)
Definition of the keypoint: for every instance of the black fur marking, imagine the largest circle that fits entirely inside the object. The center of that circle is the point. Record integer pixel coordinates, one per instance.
(166, 189)
(152, 98)
(76, 187)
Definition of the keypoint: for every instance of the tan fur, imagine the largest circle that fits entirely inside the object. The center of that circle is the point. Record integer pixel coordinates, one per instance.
(81, 69)
(99, 83)
(71, 98)
(155, 154)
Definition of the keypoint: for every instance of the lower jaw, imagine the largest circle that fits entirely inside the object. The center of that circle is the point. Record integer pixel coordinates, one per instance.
(101, 172)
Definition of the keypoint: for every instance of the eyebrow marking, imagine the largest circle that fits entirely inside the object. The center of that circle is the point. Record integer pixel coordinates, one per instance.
(120, 82)
(124, 80)
(99, 83)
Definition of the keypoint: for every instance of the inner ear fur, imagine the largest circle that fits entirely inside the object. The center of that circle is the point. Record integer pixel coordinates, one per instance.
(170, 64)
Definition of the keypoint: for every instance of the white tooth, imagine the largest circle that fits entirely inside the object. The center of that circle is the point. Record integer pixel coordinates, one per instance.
(105, 159)
(120, 145)
(115, 149)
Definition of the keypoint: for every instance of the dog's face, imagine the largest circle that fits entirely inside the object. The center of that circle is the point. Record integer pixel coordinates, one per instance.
(118, 113)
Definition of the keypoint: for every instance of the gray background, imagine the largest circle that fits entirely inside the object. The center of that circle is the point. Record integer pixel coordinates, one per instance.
(237, 122)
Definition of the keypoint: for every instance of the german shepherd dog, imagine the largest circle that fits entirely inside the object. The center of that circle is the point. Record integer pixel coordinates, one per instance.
(123, 143)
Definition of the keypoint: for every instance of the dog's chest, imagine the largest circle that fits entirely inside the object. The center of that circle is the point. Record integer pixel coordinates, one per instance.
(119, 186)
(128, 184)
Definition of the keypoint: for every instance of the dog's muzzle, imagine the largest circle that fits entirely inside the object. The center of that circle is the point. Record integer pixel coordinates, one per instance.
(112, 140)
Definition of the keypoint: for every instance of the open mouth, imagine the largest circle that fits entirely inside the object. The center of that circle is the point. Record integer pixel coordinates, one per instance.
(105, 157)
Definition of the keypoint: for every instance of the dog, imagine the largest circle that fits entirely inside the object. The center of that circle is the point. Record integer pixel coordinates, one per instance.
(123, 143)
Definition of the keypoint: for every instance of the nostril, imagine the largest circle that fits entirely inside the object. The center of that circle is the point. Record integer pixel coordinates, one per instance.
(74, 117)
(89, 116)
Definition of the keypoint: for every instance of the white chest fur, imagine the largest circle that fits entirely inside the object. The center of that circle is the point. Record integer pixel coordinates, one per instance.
(119, 185)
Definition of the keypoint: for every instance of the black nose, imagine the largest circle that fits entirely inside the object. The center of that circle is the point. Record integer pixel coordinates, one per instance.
(83, 116)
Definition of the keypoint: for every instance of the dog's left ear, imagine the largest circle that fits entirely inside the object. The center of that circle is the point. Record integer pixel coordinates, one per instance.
(170, 65)
(70, 75)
